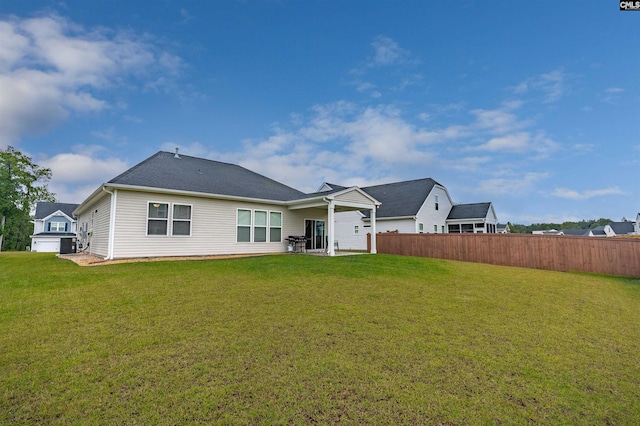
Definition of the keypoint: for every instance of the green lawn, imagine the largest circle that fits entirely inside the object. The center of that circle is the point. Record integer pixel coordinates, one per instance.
(300, 339)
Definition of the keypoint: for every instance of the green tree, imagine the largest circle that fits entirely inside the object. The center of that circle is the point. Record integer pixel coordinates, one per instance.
(22, 184)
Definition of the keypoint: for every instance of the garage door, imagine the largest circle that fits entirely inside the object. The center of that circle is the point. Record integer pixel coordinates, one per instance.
(47, 245)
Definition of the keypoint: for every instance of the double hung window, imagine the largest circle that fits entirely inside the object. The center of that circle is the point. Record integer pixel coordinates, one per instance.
(158, 219)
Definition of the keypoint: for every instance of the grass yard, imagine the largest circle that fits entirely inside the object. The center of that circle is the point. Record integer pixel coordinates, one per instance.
(301, 339)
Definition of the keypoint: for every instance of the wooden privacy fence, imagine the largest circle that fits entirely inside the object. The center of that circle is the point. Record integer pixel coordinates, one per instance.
(614, 256)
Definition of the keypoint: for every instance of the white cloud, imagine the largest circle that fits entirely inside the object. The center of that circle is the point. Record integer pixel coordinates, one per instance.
(586, 194)
(387, 52)
(51, 68)
(75, 175)
(73, 167)
(553, 85)
(513, 185)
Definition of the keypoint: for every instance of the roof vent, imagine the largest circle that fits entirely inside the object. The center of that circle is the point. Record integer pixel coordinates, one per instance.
(176, 154)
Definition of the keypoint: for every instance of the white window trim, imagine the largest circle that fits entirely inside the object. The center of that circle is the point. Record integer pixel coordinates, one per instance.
(269, 226)
(421, 228)
(250, 226)
(356, 229)
(154, 218)
(190, 220)
(57, 226)
(253, 226)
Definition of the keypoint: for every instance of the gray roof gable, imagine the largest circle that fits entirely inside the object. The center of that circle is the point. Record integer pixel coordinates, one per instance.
(622, 228)
(45, 209)
(469, 211)
(164, 170)
(400, 199)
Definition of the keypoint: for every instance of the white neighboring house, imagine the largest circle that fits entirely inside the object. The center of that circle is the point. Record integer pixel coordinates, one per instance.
(636, 226)
(52, 221)
(177, 205)
(414, 207)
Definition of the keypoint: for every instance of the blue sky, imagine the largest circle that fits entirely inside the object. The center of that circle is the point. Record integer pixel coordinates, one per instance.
(534, 106)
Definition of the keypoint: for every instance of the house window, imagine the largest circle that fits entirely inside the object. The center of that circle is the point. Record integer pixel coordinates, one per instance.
(435, 229)
(259, 226)
(275, 227)
(421, 228)
(467, 228)
(437, 205)
(181, 219)
(158, 219)
(454, 229)
(244, 226)
(57, 226)
(442, 229)
(356, 229)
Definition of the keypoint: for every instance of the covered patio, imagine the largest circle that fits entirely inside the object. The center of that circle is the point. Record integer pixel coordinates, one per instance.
(340, 200)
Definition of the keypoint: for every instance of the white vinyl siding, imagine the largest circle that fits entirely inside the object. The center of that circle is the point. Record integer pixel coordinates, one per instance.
(97, 215)
(353, 196)
(214, 226)
(432, 218)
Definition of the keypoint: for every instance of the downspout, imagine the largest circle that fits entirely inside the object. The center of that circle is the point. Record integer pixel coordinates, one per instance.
(112, 222)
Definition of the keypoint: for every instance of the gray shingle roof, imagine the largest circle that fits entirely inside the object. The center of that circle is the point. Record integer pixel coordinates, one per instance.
(45, 209)
(577, 232)
(186, 173)
(469, 211)
(622, 228)
(400, 199)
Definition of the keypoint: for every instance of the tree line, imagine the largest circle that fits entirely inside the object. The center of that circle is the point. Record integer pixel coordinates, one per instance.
(22, 184)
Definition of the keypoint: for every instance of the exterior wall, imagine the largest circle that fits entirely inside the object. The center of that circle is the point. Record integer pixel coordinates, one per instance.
(213, 227)
(353, 197)
(97, 216)
(345, 223)
(429, 216)
(61, 219)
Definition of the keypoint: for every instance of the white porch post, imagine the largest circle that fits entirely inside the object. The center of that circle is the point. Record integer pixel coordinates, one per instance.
(331, 229)
(373, 231)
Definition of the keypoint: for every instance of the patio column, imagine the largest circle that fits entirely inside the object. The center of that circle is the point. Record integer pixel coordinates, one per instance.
(331, 229)
(373, 231)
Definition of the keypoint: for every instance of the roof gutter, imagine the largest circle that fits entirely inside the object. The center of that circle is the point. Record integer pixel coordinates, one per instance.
(192, 193)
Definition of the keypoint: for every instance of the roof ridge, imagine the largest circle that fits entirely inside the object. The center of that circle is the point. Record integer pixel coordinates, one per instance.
(400, 182)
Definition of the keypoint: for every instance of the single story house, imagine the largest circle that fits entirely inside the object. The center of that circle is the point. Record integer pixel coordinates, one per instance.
(414, 206)
(51, 222)
(178, 205)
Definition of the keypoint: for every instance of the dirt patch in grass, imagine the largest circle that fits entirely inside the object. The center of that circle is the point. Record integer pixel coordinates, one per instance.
(84, 259)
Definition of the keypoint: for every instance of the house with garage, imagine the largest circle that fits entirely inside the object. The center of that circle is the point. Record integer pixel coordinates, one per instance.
(51, 223)
(416, 207)
(178, 205)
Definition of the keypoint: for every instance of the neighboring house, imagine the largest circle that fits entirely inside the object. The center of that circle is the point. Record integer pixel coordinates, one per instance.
(415, 206)
(636, 226)
(503, 228)
(547, 232)
(177, 205)
(52, 221)
(622, 228)
(602, 231)
(477, 218)
(578, 232)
